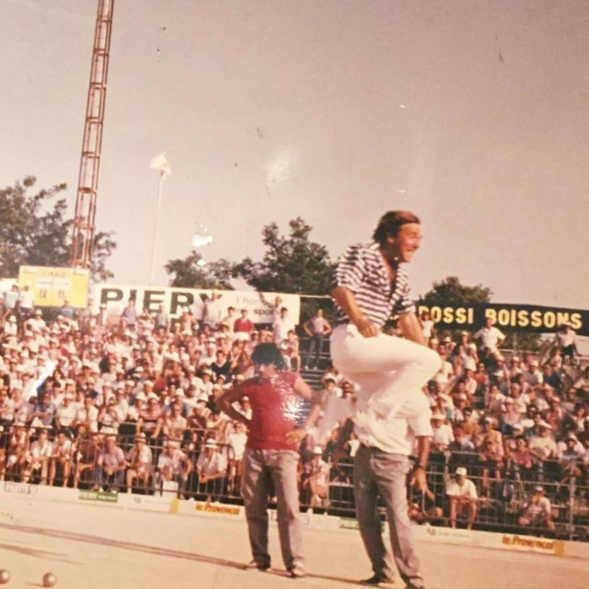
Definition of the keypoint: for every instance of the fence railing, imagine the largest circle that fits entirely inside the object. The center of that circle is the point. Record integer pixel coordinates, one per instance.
(158, 467)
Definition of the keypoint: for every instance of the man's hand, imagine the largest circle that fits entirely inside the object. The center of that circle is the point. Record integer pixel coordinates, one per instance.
(418, 479)
(337, 455)
(296, 436)
(367, 328)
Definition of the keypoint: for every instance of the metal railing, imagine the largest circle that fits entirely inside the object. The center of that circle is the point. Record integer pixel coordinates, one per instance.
(502, 493)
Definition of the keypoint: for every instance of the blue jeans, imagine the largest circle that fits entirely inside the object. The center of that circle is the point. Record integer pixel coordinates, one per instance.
(315, 347)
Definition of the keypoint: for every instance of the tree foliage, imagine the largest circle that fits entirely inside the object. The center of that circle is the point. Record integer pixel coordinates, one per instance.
(292, 263)
(35, 231)
(193, 272)
(451, 292)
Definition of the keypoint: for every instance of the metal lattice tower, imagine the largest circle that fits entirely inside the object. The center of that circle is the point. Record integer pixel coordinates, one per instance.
(85, 213)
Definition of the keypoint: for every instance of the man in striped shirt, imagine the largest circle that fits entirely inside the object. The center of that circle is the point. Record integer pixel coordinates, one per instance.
(392, 412)
(370, 286)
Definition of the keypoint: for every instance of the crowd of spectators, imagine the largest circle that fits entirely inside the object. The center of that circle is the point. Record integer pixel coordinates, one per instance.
(128, 403)
(515, 426)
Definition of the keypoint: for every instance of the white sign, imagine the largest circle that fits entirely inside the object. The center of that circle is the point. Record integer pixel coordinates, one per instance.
(260, 306)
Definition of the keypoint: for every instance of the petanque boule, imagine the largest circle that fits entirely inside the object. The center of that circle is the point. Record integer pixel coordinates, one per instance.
(49, 580)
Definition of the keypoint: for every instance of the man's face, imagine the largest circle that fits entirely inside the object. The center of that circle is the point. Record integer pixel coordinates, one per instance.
(405, 243)
(266, 370)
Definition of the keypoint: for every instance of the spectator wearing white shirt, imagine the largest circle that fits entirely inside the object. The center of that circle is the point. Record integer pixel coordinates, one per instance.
(538, 511)
(26, 301)
(490, 339)
(442, 433)
(463, 497)
(211, 467)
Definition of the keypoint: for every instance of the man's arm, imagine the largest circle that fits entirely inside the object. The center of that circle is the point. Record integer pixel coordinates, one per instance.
(411, 328)
(419, 470)
(304, 390)
(346, 301)
(225, 404)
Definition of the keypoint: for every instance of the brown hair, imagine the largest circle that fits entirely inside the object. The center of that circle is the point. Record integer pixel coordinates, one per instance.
(390, 224)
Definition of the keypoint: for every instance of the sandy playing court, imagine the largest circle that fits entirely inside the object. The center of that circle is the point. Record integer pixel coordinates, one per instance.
(95, 546)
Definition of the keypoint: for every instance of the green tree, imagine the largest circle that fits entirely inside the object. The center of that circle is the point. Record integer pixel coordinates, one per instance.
(35, 231)
(451, 292)
(291, 264)
(193, 272)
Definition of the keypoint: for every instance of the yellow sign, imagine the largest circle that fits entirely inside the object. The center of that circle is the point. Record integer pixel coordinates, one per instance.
(52, 286)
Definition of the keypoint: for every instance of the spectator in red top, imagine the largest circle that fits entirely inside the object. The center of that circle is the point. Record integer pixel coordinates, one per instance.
(242, 327)
(276, 397)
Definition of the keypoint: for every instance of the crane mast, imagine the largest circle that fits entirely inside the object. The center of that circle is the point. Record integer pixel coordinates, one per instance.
(85, 212)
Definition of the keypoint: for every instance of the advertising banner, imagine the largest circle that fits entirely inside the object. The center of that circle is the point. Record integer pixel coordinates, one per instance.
(52, 286)
(518, 318)
(258, 305)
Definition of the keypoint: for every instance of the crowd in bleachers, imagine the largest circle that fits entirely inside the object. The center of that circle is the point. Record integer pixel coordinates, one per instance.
(128, 403)
(514, 426)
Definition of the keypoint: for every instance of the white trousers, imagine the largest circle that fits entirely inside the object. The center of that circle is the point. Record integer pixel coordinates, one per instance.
(388, 369)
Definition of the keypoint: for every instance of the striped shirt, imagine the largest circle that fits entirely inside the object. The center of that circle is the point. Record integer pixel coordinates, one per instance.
(361, 269)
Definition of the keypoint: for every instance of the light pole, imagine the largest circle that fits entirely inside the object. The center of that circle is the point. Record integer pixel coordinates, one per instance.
(160, 163)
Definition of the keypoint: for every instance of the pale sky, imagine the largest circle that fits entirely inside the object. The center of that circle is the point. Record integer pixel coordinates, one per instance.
(473, 114)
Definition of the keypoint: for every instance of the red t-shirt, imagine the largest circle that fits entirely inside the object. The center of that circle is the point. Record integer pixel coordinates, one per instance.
(243, 325)
(275, 410)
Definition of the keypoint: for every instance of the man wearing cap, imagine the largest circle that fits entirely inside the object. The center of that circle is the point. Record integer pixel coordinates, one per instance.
(173, 466)
(211, 467)
(140, 460)
(538, 511)
(274, 435)
(463, 497)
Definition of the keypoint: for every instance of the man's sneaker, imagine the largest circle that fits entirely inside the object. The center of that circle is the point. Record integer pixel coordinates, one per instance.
(297, 572)
(255, 565)
(377, 581)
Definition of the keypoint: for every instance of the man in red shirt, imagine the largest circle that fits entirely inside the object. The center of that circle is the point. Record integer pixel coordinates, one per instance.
(243, 326)
(271, 455)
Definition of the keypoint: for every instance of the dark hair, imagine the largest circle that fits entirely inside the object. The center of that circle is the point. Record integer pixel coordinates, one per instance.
(390, 224)
(268, 353)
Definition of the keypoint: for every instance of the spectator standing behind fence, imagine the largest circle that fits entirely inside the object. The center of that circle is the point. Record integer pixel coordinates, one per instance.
(271, 453)
(463, 496)
(317, 328)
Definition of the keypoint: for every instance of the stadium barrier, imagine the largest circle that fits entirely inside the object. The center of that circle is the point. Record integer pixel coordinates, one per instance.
(502, 494)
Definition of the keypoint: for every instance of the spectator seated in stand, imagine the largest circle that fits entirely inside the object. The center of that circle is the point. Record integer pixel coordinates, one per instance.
(143, 362)
(538, 511)
(462, 495)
